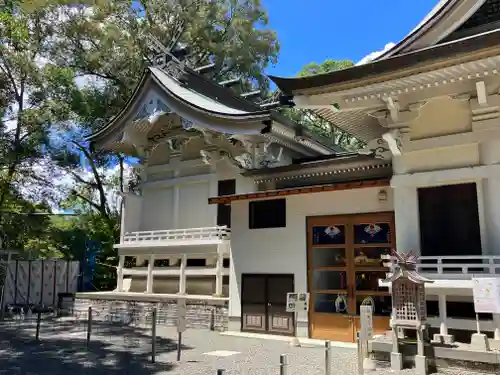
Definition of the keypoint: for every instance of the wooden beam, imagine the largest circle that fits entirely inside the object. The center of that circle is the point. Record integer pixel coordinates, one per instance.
(227, 199)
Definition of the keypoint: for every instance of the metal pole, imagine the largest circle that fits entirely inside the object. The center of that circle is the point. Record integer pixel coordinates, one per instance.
(89, 325)
(212, 320)
(328, 358)
(179, 345)
(153, 337)
(283, 364)
(38, 321)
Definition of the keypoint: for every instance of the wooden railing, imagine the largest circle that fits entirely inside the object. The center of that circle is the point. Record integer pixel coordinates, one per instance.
(458, 267)
(207, 233)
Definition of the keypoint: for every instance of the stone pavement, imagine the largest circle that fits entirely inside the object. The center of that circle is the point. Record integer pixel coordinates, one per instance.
(127, 350)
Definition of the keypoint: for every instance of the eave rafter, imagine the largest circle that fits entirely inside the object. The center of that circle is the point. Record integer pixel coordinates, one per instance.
(424, 84)
(302, 190)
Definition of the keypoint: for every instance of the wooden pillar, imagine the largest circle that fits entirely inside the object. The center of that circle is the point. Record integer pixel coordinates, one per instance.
(182, 275)
(119, 273)
(443, 328)
(219, 275)
(149, 283)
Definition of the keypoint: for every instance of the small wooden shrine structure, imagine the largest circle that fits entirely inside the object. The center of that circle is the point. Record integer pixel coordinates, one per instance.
(409, 309)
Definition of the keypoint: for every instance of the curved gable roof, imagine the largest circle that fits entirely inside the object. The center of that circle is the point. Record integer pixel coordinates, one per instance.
(441, 21)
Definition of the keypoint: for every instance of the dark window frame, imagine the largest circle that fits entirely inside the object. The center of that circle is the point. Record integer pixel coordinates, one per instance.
(267, 214)
(444, 212)
(225, 187)
(202, 262)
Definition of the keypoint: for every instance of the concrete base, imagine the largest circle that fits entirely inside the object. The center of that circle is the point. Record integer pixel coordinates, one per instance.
(421, 366)
(234, 323)
(302, 328)
(443, 339)
(369, 364)
(479, 341)
(294, 342)
(494, 344)
(396, 361)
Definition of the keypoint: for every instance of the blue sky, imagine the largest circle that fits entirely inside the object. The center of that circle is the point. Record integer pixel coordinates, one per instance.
(315, 30)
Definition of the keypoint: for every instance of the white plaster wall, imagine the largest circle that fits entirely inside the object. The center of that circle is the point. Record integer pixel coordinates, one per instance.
(194, 210)
(490, 155)
(283, 250)
(225, 171)
(175, 198)
(406, 199)
(157, 209)
(132, 214)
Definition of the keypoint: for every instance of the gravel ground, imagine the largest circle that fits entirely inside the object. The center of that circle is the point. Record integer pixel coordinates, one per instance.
(127, 350)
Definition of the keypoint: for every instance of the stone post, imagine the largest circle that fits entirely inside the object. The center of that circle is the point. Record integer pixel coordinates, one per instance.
(119, 273)
(182, 275)
(149, 283)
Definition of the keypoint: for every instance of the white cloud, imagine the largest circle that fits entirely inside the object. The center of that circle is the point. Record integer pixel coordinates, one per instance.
(372, 56)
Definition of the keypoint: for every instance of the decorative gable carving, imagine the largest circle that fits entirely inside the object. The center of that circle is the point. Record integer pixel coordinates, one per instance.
(152, 104)
(377, 147)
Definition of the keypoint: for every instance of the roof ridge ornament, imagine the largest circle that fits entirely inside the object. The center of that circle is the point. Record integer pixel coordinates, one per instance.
(163, 56)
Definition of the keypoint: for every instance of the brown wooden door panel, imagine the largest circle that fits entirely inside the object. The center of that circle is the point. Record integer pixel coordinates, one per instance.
(349, 246)
(253, 318)
(279, 321)
(333, 327)
(263, 303)
(277, 288)
(253, 290)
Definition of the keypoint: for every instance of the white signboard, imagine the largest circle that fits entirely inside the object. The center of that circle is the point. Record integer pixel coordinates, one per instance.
(181, 315)
(296, 302)
(366, 321)
(486, 292)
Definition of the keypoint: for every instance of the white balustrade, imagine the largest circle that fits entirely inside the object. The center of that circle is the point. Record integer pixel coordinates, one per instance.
(217, 233)
(174, 271)
(457, 267)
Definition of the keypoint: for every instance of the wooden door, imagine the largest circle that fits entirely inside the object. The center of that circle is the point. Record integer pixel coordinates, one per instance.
(253, 303)
(344, 267)
(263, 304)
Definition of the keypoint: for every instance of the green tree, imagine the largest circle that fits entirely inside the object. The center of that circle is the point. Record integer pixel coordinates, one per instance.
(108, 45)
(36, 98)
(23, 221)
(326, 66)
(71, 68)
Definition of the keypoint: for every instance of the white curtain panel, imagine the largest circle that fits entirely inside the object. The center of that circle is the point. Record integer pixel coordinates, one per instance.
(35, 282)
(10, 282)
(22, 287)
(49, 298)
(74, 273)
(39, 282)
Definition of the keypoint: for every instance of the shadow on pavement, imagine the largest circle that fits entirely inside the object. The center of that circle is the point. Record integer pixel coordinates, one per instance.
(113, 350)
